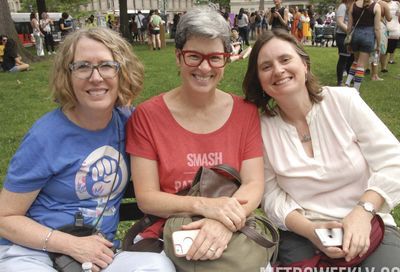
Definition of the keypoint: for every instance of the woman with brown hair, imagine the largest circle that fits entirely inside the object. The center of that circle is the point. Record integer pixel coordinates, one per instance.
(329, 161)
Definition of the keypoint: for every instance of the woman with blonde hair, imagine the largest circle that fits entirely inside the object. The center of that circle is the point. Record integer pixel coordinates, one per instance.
(71, 166)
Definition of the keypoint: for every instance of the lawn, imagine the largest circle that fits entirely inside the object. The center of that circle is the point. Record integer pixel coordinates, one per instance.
(24, 97)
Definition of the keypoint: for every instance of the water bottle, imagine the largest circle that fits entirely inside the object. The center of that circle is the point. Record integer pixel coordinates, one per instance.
(375, 59)
(87, 267)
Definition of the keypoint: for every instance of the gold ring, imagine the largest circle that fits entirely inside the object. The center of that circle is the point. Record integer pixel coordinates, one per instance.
(211, 249)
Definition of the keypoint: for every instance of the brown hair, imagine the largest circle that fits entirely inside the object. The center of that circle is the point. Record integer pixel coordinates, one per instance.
(130, 75)
(251, 84)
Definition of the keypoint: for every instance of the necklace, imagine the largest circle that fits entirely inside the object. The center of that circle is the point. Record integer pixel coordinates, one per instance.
(305, 138)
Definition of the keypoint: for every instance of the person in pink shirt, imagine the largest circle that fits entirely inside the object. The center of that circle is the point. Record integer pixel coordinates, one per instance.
(196, 124)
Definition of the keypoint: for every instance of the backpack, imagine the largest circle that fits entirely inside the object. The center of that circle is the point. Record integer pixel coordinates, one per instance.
(144, 23)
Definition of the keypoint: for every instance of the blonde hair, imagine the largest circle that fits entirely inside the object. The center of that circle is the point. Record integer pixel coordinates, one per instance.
(130, 75)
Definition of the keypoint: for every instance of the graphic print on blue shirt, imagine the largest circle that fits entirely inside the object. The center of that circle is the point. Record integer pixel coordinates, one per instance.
(95, 178)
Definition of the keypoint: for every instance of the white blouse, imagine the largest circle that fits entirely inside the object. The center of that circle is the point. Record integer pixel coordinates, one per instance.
(353, 152)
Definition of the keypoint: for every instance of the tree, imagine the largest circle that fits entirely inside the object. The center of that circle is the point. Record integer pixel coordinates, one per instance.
(7, 28)
(70, 6)
(123, 20)
(261, 6)
(41, 7)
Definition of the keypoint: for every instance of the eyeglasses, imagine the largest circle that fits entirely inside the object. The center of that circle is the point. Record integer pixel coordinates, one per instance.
(84, 70)
(215, 59)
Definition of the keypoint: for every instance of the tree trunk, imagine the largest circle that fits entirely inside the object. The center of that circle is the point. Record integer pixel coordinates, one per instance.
(41, 6)
(7, 28)
(261, 7)
(123, 20)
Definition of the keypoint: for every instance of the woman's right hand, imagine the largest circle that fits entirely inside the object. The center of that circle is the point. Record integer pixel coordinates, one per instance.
(331, 252)
(94, 249)
(227, 210)
(211, 241)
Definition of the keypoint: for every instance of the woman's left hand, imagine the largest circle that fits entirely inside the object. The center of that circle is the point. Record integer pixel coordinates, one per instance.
(211, 241)
(357, 229)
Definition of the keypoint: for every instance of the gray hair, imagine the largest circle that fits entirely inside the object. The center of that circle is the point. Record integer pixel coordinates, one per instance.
(202, 22)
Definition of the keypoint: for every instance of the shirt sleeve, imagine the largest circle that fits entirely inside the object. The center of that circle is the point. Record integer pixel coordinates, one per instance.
(139, 135)
(29, 169)
(276, 203)
(380, 149)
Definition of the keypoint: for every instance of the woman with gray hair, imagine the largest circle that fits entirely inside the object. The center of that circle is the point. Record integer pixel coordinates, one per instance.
(196, 124)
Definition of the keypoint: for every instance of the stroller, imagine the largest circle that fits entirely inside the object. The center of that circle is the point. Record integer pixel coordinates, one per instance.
(323, 34)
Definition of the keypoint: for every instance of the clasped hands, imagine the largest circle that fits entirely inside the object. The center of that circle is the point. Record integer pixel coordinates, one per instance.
(223, 217)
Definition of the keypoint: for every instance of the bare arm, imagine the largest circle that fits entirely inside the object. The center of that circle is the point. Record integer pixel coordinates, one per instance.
(252, 189)
(377, 25)
(227, 210)
(18, 228)
(350, 22)
(386, 10)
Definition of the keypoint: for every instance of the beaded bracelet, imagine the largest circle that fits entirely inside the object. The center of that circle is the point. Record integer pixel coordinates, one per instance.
(47, 239)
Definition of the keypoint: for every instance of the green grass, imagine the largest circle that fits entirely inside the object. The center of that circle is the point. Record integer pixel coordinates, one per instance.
(24, 97)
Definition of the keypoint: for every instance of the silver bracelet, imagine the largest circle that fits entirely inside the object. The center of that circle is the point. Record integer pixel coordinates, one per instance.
(47, 239)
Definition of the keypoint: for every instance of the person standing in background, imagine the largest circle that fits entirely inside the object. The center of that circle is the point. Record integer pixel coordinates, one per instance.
(37, 34)
(141, 26)
(377, 58)
(156, 21)
(65, 25)
(366, 37)
(394, 33)
(243, 26)
(47, 24)
(345, 58)
(279, 16)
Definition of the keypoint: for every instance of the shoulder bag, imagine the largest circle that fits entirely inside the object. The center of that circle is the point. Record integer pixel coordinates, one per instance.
(257, 241)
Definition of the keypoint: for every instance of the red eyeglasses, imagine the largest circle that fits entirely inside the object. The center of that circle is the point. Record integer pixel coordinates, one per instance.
(215, 59)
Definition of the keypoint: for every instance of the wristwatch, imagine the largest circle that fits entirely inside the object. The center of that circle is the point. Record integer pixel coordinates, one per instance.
(368, 206)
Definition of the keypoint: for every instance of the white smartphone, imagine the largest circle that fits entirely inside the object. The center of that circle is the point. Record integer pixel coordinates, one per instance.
(183, 240)
(330, 237)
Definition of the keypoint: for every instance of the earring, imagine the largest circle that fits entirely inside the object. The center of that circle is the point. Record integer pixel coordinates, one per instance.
(271, 104)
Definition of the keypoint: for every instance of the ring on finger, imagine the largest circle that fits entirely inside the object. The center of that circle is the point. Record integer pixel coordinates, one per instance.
(212, 249)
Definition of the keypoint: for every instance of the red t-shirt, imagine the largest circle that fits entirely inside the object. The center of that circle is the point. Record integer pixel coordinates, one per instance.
(153, 133)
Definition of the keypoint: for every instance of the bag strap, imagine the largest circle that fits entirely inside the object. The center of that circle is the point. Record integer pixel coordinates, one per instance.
(257, 237)
(137, 228)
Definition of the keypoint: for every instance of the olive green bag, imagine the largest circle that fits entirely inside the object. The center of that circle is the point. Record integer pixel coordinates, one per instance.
(248, 250)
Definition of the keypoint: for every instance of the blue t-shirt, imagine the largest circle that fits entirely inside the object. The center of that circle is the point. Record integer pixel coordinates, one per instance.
(74, 169)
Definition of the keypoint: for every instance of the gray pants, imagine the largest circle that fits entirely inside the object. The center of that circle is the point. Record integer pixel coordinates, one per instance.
(17, 258)
(295, 248)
